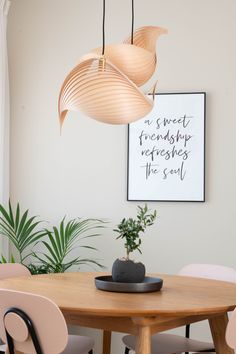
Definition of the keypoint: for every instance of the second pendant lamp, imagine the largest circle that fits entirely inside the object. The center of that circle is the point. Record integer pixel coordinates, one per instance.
(105, 83)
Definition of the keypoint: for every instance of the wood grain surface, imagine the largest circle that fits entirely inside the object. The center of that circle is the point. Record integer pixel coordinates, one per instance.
(182, 300)
(180, 295)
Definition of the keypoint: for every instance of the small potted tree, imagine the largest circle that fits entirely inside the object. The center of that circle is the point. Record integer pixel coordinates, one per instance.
(126, 270)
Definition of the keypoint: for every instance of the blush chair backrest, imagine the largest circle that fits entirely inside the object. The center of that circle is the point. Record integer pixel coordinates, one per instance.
(210, 271)
(230, 335)
(10, 270)
(45, 315)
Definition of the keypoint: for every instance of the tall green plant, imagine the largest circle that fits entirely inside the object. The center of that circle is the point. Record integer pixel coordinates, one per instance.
(20, 229)
(63, 240)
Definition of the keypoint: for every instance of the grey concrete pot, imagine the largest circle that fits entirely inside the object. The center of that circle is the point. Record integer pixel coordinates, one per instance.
(127, 271)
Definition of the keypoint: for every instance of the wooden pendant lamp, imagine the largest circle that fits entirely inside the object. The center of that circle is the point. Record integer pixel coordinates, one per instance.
(105, 83)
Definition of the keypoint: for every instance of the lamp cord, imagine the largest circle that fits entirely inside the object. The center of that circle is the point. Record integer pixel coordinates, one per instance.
(132, 26)
(103, 27)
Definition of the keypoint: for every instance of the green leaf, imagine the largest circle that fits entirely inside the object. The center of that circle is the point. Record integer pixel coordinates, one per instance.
(58, 240)
(62, 233)
(12, 259)
(63, 240)
(17, 218)
(32, 238)
(3, 259)
(26, 227)
(20, 229)
(11, 214)
(51, 251)
(130, 229)
(6, 216)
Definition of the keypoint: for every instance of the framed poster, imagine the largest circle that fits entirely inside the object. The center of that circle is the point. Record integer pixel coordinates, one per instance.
(166, 150)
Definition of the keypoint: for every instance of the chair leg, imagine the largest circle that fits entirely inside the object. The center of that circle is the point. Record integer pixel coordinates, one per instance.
(1, 345)
(127, 350)
(187, 333)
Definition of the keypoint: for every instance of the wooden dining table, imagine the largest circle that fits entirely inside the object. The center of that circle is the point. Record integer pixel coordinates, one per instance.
(182, 300)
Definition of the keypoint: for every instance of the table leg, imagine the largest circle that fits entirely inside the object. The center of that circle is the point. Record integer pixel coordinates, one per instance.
(106, 342)
(143, 344)
(218, 327)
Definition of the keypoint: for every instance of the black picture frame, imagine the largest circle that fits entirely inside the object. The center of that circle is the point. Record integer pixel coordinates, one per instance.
(166, 150)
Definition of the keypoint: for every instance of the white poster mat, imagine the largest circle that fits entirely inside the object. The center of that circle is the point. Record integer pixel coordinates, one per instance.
(166, 150)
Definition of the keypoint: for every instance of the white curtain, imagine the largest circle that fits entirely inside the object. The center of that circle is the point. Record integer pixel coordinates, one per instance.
(4, 113)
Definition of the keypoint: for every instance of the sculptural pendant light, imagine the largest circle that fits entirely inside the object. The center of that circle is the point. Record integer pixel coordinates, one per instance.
(105, 83)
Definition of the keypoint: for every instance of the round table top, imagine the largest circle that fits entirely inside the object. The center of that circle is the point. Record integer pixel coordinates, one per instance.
(180, 295)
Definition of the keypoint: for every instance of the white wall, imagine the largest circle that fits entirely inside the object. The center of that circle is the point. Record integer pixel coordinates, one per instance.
(83, 172)
(4, 115)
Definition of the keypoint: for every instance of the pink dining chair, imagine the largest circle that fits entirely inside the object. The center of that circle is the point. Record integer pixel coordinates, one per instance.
(32, 324)
(10, 270)
(165, 343)
(230, 335)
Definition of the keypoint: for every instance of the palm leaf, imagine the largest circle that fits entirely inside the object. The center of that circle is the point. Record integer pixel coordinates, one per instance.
(11, 214)
(19, 228)
(61, 241)
(17, 218)
(3, 259)
(6, 216)
(51, 261)
(51, 251)
(58, 241)
(24, 228)
(32, 238)
(12, 259)
(62, 233)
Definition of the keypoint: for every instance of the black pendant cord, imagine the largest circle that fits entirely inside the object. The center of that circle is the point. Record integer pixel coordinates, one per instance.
(132, 26)
(103, 27)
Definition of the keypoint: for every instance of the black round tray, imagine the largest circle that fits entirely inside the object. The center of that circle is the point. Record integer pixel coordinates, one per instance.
(149, 284)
